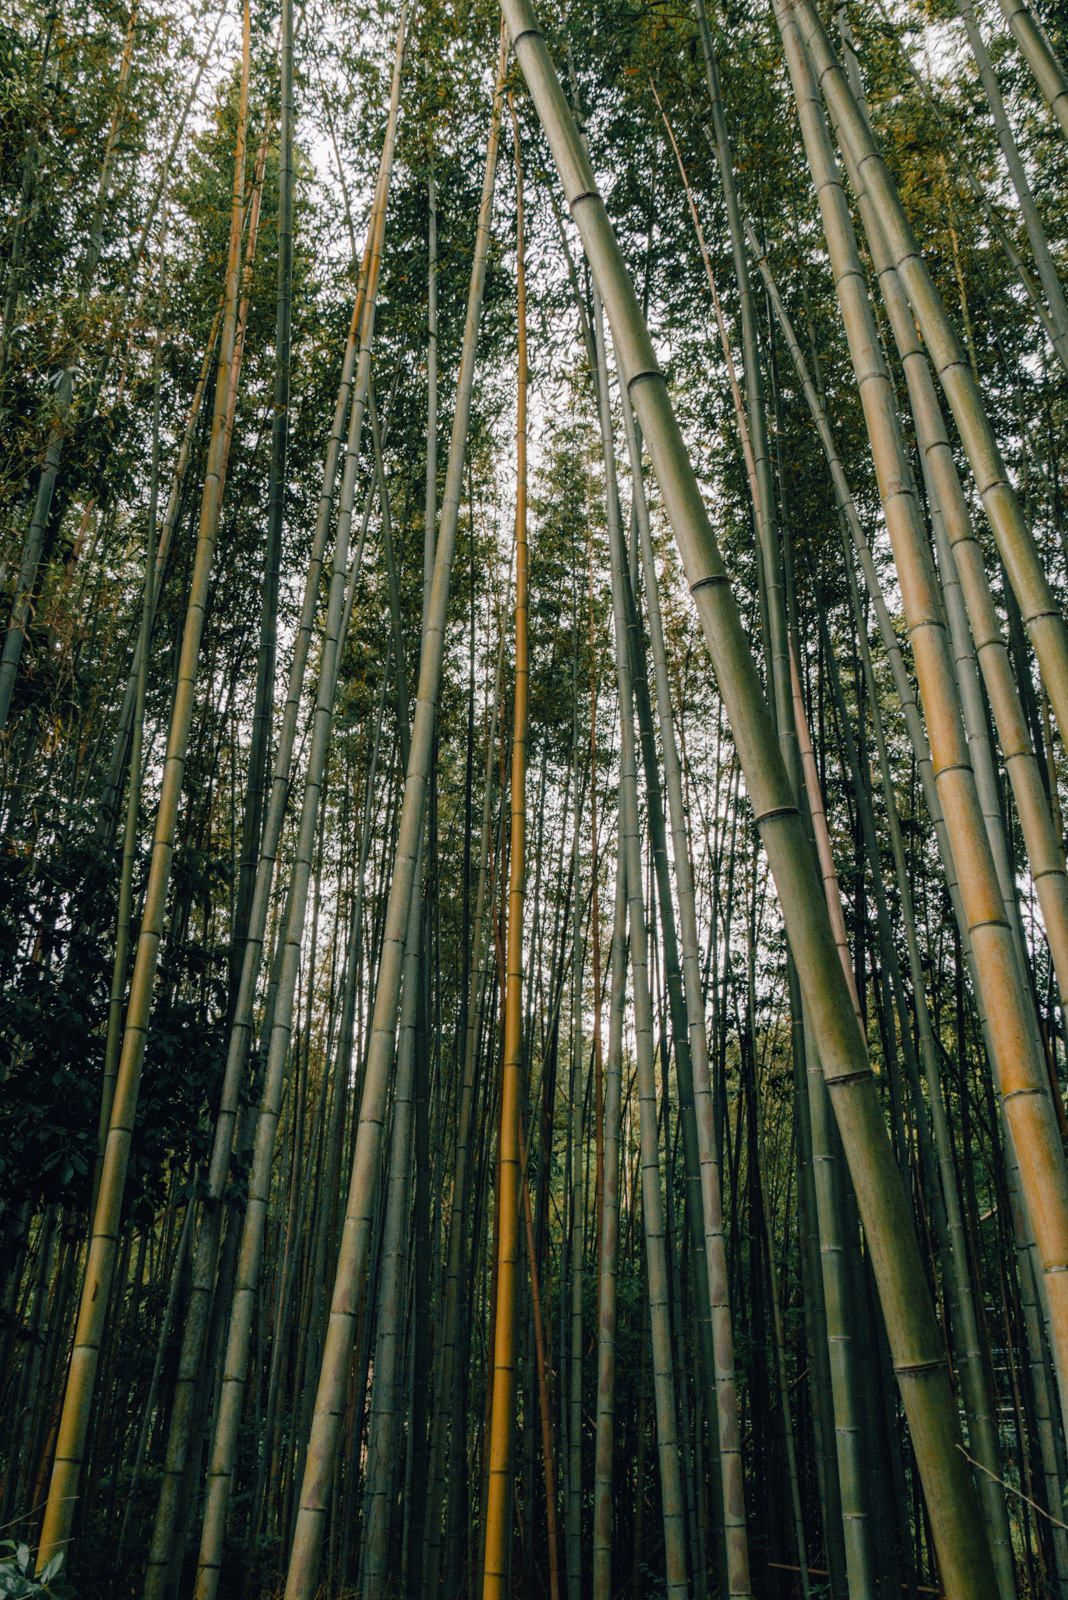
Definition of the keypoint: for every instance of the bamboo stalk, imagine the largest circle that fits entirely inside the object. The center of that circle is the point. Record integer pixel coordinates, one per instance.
(348, 1291)
(915, 1341)
(99, 1270)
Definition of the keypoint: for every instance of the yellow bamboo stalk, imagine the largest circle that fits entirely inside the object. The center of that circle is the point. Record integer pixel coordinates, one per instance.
(505, 1352)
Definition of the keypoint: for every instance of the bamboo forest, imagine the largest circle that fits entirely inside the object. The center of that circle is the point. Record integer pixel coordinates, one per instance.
(533, 783)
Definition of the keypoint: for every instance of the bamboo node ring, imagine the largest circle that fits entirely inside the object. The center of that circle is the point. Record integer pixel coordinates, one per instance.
(773, 812)
(636, 377)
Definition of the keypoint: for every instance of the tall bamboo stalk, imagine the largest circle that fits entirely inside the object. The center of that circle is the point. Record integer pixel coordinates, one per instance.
(223, 1453)
(913, 1331)
(96, 1288)
(1038, 53)
(1047, 272)
(352, 1259)
(495, 1579)
(1016, 1058)
(656, 1265)
(1042, 616)
(34, 541)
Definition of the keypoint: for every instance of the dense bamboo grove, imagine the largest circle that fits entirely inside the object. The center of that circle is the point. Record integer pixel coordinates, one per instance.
(533, 701)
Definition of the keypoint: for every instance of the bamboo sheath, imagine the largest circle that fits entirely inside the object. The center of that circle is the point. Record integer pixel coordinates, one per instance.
(1041, 614)
(100, 1265)
(352, 1260)
(495, 1577)
(1016, 1057)
(913, 1331)
(1038, 53)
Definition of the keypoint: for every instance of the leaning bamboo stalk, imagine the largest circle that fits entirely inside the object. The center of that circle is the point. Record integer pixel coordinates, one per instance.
(1044, 850)
(834, 1251)
(913, 1331)
(978, 1403)
(223, 1456)
(728, 1421)
(608, 1257)
(1039, 55)
(505, 1342)
(78, 1397)
(656, 1266)
(1015, 1052)
(961, 1295)
(1044, 265)
(348, 1291)
(33, 544)
(1041, 614)
(113, 1040)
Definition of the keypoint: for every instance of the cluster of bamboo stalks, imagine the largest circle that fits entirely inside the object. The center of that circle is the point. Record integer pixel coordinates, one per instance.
(398, 1350)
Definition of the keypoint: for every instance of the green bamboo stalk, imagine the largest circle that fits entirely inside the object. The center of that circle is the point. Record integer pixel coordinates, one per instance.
(100, 1265)
(714, 1263)
(1047, 272)
(1041, 615)
(664, 1387)
(223, 1453)
(1039, 55)
(352, 1260)
(1015, 1052)
(33, 543)
(608, 1267)
(963, 559)
(913, 1331)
